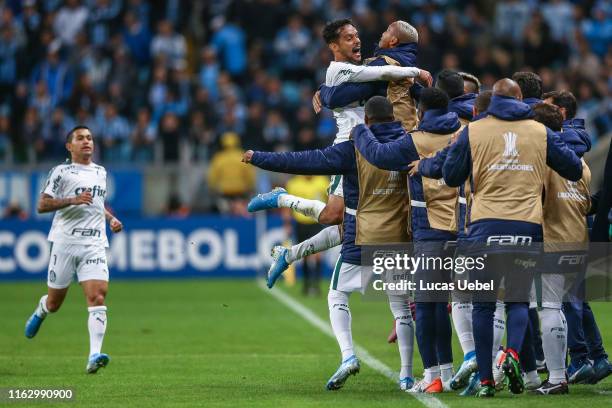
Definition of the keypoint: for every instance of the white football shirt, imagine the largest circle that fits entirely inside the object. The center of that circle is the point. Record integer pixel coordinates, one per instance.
(78, 224)
(338, 73)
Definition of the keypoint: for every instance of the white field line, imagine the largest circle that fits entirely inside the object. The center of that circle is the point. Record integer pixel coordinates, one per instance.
(426, 399)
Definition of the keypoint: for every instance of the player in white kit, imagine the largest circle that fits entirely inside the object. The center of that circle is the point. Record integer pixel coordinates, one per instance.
(343, 40)
(76, 191)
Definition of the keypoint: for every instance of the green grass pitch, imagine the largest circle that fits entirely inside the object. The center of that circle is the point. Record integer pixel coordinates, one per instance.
(219, 343)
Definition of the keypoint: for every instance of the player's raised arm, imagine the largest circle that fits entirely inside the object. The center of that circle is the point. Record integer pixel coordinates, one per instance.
(388, 73)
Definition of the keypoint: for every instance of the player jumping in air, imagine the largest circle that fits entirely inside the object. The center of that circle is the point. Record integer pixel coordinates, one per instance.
(343, 40)
(76, 191)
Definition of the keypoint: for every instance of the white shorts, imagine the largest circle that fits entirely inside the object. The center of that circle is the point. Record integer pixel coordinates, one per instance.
(547, 291)
(347, 277)
(335, 186)
(87, 261)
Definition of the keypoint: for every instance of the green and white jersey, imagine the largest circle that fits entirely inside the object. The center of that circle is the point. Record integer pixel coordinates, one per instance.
(78, 224)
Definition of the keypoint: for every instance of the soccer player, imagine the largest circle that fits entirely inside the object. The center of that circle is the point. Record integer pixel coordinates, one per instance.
(565, 234)
(506, 154)
(76, 191)
(461, 103)
(377, 204)
(471, 84)
(461, 304)
(343, 40)
(580, 318)
(432, 212)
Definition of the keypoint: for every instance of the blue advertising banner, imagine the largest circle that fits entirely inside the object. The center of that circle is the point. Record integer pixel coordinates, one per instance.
(124, 191)
(207, 246)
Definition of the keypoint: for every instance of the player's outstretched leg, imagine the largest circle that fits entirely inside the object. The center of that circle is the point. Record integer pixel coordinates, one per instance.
(283, 257)
(279, 198)
(95, 291)
(340, 317)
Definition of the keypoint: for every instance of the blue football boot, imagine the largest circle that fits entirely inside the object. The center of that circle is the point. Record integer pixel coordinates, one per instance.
(32, 325)
(279, 265)
(97, 361)
(266, 201)
(349, 367)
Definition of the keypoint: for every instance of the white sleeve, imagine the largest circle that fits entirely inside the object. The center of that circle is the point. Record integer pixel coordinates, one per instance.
(53, 186)
(363, 73)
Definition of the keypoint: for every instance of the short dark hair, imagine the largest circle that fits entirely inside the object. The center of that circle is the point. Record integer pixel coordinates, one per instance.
(450, 82)
(433, 98)
(379, 109)
(549, 115)
(563, 99)
(70, 134)
(482, 101)
(530, 84)
(471, 79)
(331, 31)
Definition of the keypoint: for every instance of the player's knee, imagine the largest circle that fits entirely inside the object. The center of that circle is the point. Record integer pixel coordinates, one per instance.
(97, 299)
(331, 215)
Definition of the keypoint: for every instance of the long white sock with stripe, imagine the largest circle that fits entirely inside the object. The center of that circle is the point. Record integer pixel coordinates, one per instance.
(310, 208)
(404, 328)
(554, 343)
(327, 238)
(499, 327)
(340, 318)
(462, 320)
(97, 327)
(41, 309)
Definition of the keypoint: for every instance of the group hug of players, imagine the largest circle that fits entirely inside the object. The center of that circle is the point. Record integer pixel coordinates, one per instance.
(450, 163)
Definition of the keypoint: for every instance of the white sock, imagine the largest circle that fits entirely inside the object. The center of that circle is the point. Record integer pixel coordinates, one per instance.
(533, 377)
(340, 318)
(41, 309)
(404, 328)
(97, 328)
(328, 238)
(499, 327)
(554, 343)
(462, 320)
(432, 373)
(446, 371)
(310, 208)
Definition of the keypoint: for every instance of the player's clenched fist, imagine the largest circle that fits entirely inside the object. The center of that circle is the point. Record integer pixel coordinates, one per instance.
(247, 156)
(316, 102)
(83, 198)
(116, 225)
(425, 78)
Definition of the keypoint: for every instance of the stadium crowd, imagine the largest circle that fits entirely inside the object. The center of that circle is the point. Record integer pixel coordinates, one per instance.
(164, 80)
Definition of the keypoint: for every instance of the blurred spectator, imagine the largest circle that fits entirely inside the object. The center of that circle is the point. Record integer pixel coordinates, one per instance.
(598, 29)
(511, 17)
(70, 19)
(170, 136)
(143, 137)
(559, 15)
(54, 135)
(201, 137)
(56, 75)
(101, 16)
(169, 46)
(229, 41)
(209, 72)
(114, 131)
(5, 135)
(137, 38)
(292, 43)
(231, 180)
(276, 131)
